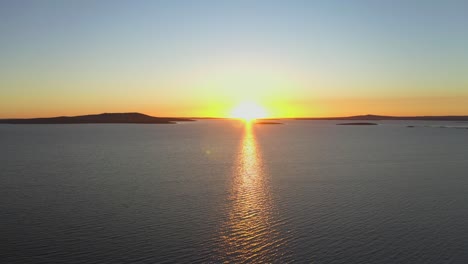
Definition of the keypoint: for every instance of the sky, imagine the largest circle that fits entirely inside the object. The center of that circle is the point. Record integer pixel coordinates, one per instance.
(203, 58)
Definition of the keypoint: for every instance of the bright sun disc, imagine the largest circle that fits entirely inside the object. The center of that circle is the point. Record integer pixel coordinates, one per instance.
(248, 111)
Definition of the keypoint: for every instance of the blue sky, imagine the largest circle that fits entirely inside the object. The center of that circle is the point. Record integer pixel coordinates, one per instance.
(58, 56)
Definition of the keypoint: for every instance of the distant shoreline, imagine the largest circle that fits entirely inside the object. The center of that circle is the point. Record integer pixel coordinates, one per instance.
(382, 118)
(105, 118)
(139, 118)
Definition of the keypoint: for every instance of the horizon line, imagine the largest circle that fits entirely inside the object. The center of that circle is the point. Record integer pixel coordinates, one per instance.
(227, 117)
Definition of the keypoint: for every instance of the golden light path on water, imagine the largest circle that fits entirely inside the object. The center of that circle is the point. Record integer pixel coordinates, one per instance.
(249, 234)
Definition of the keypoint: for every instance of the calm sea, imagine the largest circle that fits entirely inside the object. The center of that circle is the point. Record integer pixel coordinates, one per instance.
(219, 191)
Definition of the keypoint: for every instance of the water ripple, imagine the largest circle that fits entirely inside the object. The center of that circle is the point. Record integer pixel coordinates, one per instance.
(250, 234)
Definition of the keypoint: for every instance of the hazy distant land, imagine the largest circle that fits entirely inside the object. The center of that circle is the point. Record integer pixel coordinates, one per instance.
(379, 117)
(105, 118)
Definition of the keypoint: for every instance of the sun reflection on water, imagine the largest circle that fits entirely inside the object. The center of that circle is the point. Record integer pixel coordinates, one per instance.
(249, 235)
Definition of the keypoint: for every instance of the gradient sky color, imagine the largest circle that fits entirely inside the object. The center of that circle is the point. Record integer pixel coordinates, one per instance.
(202, 58)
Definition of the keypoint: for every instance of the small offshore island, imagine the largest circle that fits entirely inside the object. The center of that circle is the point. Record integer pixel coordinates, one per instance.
(105, 118)
(268, 123)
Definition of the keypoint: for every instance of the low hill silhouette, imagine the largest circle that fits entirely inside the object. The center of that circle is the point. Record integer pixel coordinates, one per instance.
(105, 118)
(379, 117)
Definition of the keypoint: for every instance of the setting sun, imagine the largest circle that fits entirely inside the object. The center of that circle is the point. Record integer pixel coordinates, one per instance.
(248, 111)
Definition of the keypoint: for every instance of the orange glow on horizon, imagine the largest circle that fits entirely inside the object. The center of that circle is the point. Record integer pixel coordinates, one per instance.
(273, 107)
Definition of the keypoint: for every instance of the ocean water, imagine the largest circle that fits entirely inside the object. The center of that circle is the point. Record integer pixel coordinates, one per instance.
(217, 191)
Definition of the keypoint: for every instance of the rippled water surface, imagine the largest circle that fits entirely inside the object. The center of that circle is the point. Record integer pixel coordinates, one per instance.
(224, 192)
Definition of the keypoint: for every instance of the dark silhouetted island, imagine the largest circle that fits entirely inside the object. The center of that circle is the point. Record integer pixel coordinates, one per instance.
(358, 124)
(105, 118)
(379, 117)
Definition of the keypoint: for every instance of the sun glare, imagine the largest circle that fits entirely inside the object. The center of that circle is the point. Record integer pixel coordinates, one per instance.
(248, 111)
